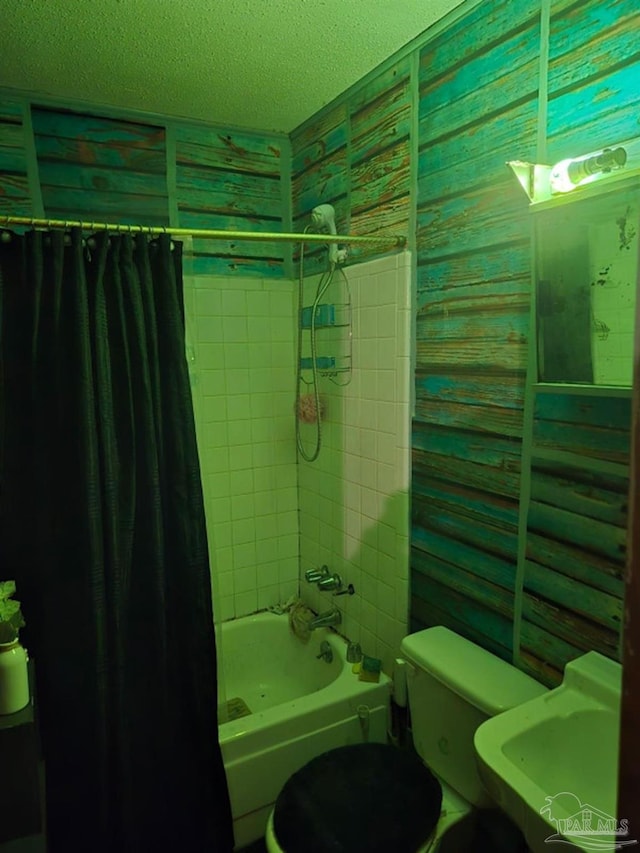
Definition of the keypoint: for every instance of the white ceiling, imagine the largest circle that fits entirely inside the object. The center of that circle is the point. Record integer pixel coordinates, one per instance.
(259, 64)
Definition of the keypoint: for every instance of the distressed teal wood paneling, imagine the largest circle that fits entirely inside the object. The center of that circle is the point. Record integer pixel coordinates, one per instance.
(576, 532)
(325, 182)
(476, 155)
(320, 176)
(590, 426)
(14, 183)
(219, 148)
(318, 140)
(381, 179)
(230, 181)
(357, 157)
(472, 221)
(485, 86)
(380, 112)
(380, 173)
(483, 27)
(319, 164)
(589, 38)
(470, 606)
(224, 193)
(458, 458)
(594, 66)
(100, 169)
(478, 108)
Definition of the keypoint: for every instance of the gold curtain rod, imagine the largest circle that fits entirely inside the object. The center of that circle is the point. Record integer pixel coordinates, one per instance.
(259, 236)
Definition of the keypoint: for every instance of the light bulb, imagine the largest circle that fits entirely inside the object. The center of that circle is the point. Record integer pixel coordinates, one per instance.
(571, 173)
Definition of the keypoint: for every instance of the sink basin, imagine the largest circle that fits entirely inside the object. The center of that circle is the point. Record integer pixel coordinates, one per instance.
(551, 763)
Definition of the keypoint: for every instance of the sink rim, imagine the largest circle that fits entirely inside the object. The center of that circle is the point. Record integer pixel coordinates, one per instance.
(591, 683)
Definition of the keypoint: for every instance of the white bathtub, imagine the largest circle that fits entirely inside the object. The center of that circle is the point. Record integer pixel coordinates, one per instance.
(300, 707)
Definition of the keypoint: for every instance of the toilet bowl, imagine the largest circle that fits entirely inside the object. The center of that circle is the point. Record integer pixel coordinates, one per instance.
(372, 798)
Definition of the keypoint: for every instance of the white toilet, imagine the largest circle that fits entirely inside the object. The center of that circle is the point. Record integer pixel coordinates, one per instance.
(453, 686)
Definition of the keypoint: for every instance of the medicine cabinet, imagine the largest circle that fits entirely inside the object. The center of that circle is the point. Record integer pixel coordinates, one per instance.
(586, 275)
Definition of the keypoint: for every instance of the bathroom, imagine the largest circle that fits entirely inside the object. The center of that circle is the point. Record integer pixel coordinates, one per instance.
(428, 493)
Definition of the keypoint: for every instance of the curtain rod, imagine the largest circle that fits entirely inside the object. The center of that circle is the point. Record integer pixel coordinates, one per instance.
(260, 236)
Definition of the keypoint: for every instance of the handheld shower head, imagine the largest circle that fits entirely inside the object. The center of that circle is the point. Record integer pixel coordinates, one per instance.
(324, 216)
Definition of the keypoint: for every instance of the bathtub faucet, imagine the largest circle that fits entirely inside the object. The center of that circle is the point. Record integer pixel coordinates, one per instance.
(326, 619)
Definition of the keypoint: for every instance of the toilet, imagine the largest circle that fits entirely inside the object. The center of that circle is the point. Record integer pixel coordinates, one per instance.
(370, 798)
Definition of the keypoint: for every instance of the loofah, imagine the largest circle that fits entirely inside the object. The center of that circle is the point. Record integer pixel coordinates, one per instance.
(306, 409)
(299, 617)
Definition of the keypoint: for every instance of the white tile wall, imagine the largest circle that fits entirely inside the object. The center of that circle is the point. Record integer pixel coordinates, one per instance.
(241, 336)
(269, 517)
(354, 498)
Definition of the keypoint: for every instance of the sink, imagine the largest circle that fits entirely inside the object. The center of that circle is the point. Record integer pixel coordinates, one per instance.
(551, 763)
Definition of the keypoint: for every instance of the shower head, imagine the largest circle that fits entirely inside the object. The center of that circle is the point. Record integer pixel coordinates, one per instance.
(324, 216)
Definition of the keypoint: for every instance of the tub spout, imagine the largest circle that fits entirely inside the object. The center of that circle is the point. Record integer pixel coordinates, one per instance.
(326, 619)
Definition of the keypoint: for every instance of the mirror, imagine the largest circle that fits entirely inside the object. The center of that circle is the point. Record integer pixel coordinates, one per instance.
(586, 271)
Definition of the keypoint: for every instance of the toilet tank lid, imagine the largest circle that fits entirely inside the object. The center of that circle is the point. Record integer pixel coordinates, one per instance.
(490, 684)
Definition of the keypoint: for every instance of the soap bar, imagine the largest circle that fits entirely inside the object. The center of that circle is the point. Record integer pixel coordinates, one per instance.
(370, 670)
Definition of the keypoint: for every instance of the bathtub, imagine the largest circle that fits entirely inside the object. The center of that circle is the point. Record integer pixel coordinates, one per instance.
(285, 706)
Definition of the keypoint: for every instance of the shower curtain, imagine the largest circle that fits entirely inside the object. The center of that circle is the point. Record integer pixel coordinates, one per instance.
(102, 527)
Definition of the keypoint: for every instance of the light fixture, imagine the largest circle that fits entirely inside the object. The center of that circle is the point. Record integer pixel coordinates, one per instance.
(571, 173)
(543, 183)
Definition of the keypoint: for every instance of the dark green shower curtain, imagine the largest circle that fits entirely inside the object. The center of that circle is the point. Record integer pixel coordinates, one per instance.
(102, 526)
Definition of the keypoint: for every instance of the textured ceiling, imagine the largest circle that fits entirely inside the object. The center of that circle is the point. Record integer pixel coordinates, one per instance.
(261, 64)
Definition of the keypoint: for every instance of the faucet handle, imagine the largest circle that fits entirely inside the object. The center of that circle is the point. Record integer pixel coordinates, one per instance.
(333, 581)
(316, 575)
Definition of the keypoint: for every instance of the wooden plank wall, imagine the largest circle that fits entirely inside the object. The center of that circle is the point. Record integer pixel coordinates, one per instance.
(230, 181)
(15, 197)
(478, 108)
(357, 158)
(575, 535)
(487, 92)
(576, 531)
(114, 169)
(594, 68)
(100, 169)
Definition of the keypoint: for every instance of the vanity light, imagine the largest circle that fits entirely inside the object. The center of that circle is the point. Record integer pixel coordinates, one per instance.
(571, 173)
(543, 183)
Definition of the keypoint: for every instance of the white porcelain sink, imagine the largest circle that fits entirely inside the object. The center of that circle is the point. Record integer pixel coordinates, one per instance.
(551, 763)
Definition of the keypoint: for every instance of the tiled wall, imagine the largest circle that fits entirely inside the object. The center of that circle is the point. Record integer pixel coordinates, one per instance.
(241, 345)
(354, 497)
(353, 500)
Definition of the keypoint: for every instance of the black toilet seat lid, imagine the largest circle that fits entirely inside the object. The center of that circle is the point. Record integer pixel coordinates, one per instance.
(364, 798)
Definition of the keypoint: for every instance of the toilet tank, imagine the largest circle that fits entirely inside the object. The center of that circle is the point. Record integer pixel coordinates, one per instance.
(454, 686)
